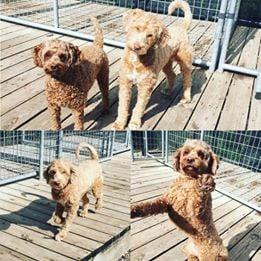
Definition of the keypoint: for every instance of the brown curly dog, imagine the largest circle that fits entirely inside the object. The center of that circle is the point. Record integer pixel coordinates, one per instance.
(150, 48)
(70, 185)
(188, 202)
(71, 73)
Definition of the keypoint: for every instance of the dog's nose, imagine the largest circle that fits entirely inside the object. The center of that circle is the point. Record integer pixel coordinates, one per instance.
(137, 46)
(190, 160)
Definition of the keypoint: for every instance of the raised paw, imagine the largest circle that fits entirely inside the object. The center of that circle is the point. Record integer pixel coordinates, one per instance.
(61, 235)
(207, 183)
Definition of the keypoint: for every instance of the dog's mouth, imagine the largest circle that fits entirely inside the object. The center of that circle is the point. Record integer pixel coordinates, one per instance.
(191, 170)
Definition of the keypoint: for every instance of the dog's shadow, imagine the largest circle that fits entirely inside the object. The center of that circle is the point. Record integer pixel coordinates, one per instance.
(36, 214)
(249, 241)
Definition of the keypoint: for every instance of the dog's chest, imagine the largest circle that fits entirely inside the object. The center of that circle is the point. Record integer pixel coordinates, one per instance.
(137, 73)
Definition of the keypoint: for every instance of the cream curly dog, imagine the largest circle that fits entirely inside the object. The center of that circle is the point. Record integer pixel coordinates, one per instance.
(188, 202)
(70, 185)
(71, 73)
(150, 48)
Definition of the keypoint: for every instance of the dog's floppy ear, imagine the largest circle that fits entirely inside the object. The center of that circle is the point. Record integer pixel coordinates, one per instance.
(72, 174)
(164, 36)
(213, 163)
(74, 53)
(176, 160)
(45, 174)
(37, 53)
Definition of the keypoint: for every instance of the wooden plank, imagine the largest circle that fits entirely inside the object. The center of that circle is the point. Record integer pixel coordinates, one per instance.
(235, 112)
(8, 254)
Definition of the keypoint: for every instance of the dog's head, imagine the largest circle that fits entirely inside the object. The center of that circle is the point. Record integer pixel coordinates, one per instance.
(143, 31)
(59, 174)
(56, 57)
(196, 158)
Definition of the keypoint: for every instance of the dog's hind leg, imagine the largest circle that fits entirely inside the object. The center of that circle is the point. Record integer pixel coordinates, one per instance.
(97, 192)
(184, 59)
(85, 206)
(171, 76)
(103, 82)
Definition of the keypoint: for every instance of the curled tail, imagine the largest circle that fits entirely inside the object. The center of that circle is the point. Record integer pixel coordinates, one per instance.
(93, 152)
(154, 207)
(184, 6)
(98, 38)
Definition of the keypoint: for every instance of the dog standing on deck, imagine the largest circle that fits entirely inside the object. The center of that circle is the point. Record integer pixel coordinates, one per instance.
(71, 73)
(70, 185)
(150, 48)
(188, 202)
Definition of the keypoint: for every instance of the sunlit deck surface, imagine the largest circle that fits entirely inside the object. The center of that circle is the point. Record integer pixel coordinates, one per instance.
(26, 232)
(157, 238)
(220, 100)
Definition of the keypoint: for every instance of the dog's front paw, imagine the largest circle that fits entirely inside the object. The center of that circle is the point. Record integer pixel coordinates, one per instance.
(58, 220)
(185, 100)
(118, 126)
(134, 125)
(61, 235)
(207, 183)
(83, 214)
(98, 206)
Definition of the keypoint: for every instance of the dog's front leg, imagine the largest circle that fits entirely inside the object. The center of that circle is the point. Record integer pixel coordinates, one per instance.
(58, 214)
(145, 89)
(55, 112)
(78, 118)
(124, 103)
(71, 214)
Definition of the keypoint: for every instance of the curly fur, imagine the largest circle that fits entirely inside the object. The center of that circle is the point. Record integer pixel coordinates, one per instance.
(71, 73)
(188, 202)
(150, 48)
(70, 185)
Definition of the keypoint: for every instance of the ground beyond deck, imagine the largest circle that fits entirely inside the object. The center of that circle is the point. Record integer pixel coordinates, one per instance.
(27, 234)
(156, 237)
(220, 100)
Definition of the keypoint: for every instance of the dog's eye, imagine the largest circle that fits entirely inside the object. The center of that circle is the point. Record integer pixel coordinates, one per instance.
(63, 57)
(48, 55)
(201, 154)
(52, 172)
(149, 35)
(185, 152)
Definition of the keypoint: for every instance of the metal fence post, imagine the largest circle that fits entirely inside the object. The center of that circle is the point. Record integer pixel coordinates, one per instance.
(228, 30)
(166, 146)
(59, 147)
(56, 13)
(112, 143)
(201, 135)
(218, 35)
(131, 145)
(146, 144)
(41, 154)
(258, 83)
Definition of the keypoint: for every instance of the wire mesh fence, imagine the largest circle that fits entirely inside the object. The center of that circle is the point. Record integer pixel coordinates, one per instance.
(26, 153)
(239, 151)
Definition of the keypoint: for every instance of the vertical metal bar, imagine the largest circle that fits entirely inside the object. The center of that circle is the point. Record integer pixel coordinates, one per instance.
(131, 145)
(162, 144)
(112, 143)
(146, 143)
(201, 135)
(59, 148)
(166, 146)
(228, 31)
(41, 155)
(218, 35)
(258, 83)
(56, 13)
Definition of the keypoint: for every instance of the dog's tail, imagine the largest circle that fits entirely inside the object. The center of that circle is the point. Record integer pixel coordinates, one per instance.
(184, 6)
(93, 152)
(154, 207)
(98, 38)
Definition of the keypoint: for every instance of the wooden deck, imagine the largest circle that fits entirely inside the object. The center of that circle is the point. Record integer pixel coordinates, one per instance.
(156, 237)
(220, 100)
(26, 233)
